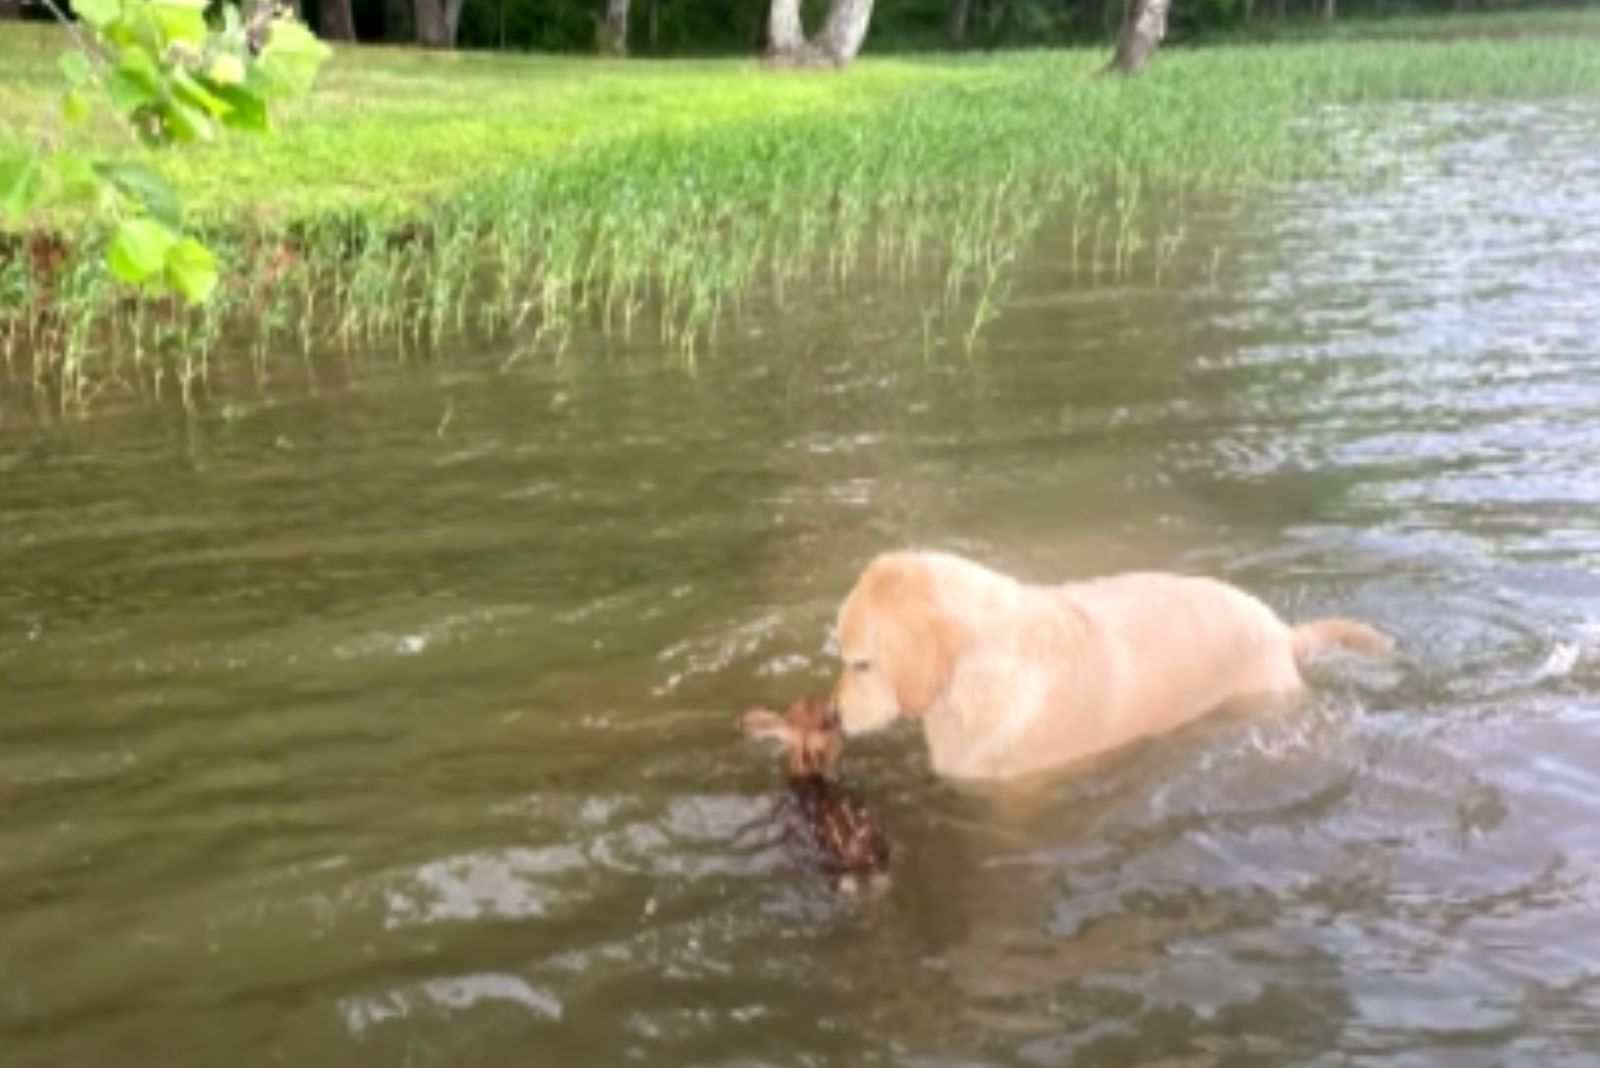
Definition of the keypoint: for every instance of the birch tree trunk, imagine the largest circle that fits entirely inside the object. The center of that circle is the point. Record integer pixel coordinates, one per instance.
(1141, 36)
(437, 21)
(844, 30)
(835, 45)
(785, 36)
(614, 29)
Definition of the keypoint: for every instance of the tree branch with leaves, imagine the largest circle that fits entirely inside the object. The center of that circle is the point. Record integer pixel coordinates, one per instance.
(171, 77)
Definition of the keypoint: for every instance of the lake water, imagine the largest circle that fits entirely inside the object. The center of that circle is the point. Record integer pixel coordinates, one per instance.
(391, 721)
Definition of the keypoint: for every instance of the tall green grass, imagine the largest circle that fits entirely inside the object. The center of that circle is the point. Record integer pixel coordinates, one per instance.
(722, 180)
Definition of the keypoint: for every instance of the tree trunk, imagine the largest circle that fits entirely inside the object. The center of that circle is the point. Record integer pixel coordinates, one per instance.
(653, 28)
(1141, 36)
(845, 29)
(613, 37)
(1327, 10)
(437, 21)
(785, 36)
(398, 22)
(10, 9)
(955, 26)
(836, 44)
(335, 21)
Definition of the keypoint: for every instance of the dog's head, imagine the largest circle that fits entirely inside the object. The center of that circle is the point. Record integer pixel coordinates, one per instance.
(898, 642)
(808, 732)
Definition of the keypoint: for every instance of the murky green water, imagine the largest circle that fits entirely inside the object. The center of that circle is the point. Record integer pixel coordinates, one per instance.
(391, 722)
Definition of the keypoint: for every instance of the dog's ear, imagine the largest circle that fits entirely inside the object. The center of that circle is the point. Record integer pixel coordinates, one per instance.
(925, 657)
(923, 638)
(765, 724)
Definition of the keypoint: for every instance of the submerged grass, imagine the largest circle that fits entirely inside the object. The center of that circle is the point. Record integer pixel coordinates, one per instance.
(422, 196)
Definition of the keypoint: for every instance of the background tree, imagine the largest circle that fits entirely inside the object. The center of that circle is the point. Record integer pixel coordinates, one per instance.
(837, 43)
(399, 24)
(336, 20)
(1141, 36)
(614, 29)
(786, 36)
(955, 27)
(437, 22)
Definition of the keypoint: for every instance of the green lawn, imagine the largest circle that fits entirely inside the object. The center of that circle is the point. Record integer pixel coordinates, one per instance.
(387, 125)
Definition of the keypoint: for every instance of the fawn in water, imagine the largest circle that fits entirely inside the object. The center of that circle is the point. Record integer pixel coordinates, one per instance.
(824, 822)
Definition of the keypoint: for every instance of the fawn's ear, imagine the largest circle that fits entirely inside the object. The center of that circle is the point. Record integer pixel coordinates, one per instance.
(763, 723)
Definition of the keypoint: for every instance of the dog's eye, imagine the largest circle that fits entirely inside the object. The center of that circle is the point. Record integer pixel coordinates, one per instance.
(860, 665)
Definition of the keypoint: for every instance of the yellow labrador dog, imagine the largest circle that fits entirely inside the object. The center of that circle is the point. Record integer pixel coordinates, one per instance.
(1010, 679)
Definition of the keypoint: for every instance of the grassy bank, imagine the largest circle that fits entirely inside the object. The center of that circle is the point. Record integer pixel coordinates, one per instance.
(419, 195)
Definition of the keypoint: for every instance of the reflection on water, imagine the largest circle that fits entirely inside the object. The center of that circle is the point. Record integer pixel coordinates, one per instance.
(344, 733)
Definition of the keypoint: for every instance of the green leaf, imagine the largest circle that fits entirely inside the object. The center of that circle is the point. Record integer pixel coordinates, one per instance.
(138, 251)
(97, 13)
(292, 38)
(144, 187)
(246, 110)
(180, 20)
(191, 270)
(193, 92)
(21, 182)
(185, 123)
(127, 92)
(288, 65)
(134, 81)
(76, 67)
(225, 69)
(140, 30)
(75, 107)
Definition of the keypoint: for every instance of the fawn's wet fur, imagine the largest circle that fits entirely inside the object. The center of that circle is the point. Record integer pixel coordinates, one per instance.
(824, 822)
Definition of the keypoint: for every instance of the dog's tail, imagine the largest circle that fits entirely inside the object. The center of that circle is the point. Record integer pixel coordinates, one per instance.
(1320, 634)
